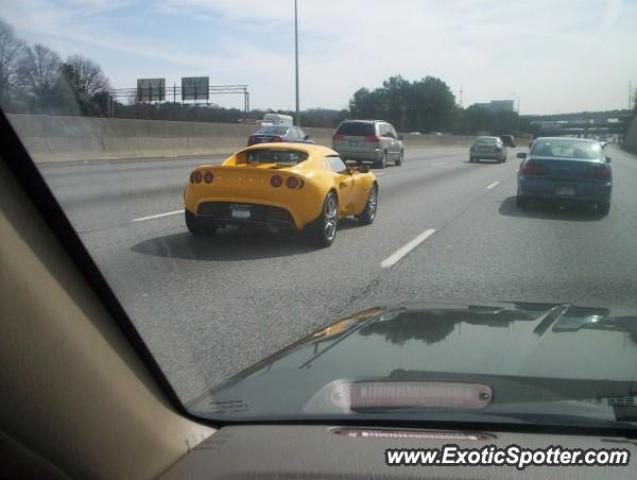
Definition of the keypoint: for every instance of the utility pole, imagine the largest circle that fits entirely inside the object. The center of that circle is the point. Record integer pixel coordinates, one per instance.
(296, 63)
(460, 95)
(630, 95)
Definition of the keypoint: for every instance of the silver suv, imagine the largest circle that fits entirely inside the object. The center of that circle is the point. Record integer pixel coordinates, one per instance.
(369, 140)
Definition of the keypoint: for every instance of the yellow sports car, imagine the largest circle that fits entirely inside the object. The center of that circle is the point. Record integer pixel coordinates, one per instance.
(282, 186)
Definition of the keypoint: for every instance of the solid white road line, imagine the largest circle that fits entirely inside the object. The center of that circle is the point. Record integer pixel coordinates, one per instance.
(159, 215)
(438, 164)
(405, 249)
(493, 185)
(379, 173)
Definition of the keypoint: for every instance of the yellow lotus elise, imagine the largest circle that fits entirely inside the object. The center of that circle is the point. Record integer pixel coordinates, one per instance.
(284, 187)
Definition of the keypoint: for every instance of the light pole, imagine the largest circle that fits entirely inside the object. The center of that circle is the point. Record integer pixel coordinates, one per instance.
(296, 61)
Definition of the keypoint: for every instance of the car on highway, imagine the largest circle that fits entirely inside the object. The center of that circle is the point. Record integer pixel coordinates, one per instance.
(508, 140)
(373, 141)
(491, 148)
(277, 119)
(283, 187)
(279, 133)
(565, 169)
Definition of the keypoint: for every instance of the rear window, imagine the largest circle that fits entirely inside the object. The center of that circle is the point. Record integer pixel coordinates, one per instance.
(356, 129)
(487, 140)
(272, 130)
(567, 149)
(285, 157)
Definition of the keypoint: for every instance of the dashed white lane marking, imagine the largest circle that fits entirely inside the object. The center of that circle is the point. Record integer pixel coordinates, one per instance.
(438, 164)
(159, 215)
(493, 185)
(405, 249)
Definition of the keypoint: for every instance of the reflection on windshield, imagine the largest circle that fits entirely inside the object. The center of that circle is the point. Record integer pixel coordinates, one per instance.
(432, 326)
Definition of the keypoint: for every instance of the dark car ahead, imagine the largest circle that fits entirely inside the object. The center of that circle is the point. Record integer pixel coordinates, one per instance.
(279, 133)
(565, 169)
(508, 140)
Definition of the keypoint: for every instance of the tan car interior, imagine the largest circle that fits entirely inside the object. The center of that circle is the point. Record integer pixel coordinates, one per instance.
(78, 399)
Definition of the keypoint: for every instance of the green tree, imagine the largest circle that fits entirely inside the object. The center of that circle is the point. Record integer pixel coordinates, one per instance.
(423, 105)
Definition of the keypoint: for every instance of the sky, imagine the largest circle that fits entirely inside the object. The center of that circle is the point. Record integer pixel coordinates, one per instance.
(554, 56)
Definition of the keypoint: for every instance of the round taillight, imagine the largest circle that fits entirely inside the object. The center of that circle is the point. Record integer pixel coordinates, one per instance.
(208, 177)
(276, 181)
(292, 182)
(197, 177)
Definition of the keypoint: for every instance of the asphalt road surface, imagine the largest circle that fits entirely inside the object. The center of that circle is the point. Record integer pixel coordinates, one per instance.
(446, 229)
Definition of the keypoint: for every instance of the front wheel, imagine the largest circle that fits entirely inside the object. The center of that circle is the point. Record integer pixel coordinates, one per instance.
(199, 227)
(323, 231)
(399, 160)
(369, 212)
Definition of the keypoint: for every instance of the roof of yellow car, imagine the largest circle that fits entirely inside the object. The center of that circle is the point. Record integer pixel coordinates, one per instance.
(309, 148)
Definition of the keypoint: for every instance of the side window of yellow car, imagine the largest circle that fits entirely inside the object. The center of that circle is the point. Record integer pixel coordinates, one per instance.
(336, 164)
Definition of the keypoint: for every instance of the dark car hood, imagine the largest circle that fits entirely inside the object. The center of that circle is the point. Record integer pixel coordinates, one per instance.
(516, 351)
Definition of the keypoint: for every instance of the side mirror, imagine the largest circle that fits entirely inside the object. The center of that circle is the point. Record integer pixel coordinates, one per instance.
(607, 159)
(400, 137)
(363, 169)
(521, 155)
(307, 137)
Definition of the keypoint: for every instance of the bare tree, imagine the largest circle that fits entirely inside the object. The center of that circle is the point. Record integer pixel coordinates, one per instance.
(11, 50)
(85, 76)
(38, 72)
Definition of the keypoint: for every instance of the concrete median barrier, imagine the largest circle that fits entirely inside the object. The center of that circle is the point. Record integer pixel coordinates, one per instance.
(630, 142)
(63, 138)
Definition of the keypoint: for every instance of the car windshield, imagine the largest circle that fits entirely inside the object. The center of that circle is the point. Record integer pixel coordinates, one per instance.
(567, 149)
(291, 157)
(356, 129)
(272, 130)
(357, 271)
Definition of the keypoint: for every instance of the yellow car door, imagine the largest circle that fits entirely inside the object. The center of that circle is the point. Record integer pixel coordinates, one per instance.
(344, 182)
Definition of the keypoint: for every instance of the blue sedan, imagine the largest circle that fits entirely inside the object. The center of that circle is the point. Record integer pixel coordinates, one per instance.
(565, 169)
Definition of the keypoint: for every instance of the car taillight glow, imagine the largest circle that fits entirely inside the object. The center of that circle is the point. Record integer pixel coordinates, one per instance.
(372, 138)
(292, 182)
(197, 177)
(533, 169)
(208, 177)
(276, 181)
(599, 173)
(338, 136)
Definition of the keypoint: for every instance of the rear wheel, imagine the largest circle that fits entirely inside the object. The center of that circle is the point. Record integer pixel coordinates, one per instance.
(323, 231)
(382, 163)
(199, 227)
(399, 160)
(369, 212)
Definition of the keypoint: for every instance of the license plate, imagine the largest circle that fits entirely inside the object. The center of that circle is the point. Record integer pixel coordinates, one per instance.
(240, 213)
(565, 191)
